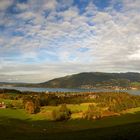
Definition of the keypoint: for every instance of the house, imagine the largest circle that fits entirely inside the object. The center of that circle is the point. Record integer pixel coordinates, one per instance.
(2, 105)
(92, 96)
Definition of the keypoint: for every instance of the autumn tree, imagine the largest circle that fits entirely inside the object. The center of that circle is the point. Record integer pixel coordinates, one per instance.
(63, 113)
(93, 112)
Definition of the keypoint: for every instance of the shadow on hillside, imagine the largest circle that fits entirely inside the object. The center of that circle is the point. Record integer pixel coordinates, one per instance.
(125, 127)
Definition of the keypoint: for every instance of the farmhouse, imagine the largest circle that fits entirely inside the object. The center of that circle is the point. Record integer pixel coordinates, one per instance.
(2, 105)
(92, 96)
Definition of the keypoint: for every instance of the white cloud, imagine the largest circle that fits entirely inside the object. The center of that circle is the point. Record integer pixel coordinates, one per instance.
(111, 40)
(22, 6)
(4, 4)
(49, 4)
(27, 15)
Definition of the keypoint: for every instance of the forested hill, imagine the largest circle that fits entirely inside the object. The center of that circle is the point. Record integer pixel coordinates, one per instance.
(93, 79)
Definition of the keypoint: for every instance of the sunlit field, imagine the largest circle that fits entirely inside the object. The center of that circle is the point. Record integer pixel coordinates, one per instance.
(17, 124)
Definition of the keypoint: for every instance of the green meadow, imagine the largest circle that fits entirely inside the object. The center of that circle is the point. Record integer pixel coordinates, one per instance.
(110, 116)
(17, 124)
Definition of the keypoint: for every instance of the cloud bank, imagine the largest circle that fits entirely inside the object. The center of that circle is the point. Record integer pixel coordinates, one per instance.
(44, 39)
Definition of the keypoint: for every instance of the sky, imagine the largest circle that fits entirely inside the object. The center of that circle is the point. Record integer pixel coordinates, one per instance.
(44, 39)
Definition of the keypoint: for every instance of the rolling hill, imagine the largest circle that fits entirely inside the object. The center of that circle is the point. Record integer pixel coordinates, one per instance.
(93, 79)
(87, 80)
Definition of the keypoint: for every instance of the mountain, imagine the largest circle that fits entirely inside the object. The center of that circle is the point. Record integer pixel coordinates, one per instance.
(87, 80)
(93, 79)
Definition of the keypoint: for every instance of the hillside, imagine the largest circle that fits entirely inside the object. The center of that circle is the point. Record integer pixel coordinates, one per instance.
(87, 80)
(93, 79)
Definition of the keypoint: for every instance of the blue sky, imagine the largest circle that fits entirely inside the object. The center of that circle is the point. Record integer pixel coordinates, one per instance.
(44, 39)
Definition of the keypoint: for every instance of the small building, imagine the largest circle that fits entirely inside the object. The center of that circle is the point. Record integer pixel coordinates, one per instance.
(92, 96)
(2, 105)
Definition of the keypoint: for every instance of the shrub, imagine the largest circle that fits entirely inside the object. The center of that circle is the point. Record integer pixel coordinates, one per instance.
(31, 104)
(63, 113)
(93, 112)
(17, 104)
(32, 107)
(9, 105)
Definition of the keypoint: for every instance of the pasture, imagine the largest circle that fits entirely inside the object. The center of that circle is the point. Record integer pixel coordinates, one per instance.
(17, 124)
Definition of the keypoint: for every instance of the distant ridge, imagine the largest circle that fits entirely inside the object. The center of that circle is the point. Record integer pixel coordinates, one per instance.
(87, 80)
(93, 79)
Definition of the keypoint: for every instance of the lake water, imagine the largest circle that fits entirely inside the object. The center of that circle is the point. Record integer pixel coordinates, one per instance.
(135, 92)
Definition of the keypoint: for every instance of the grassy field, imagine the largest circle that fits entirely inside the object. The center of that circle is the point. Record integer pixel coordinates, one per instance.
(16, 124)
(45, 113)
(76, 110)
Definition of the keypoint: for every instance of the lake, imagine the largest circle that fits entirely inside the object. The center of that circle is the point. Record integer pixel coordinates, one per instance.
(134, 92)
